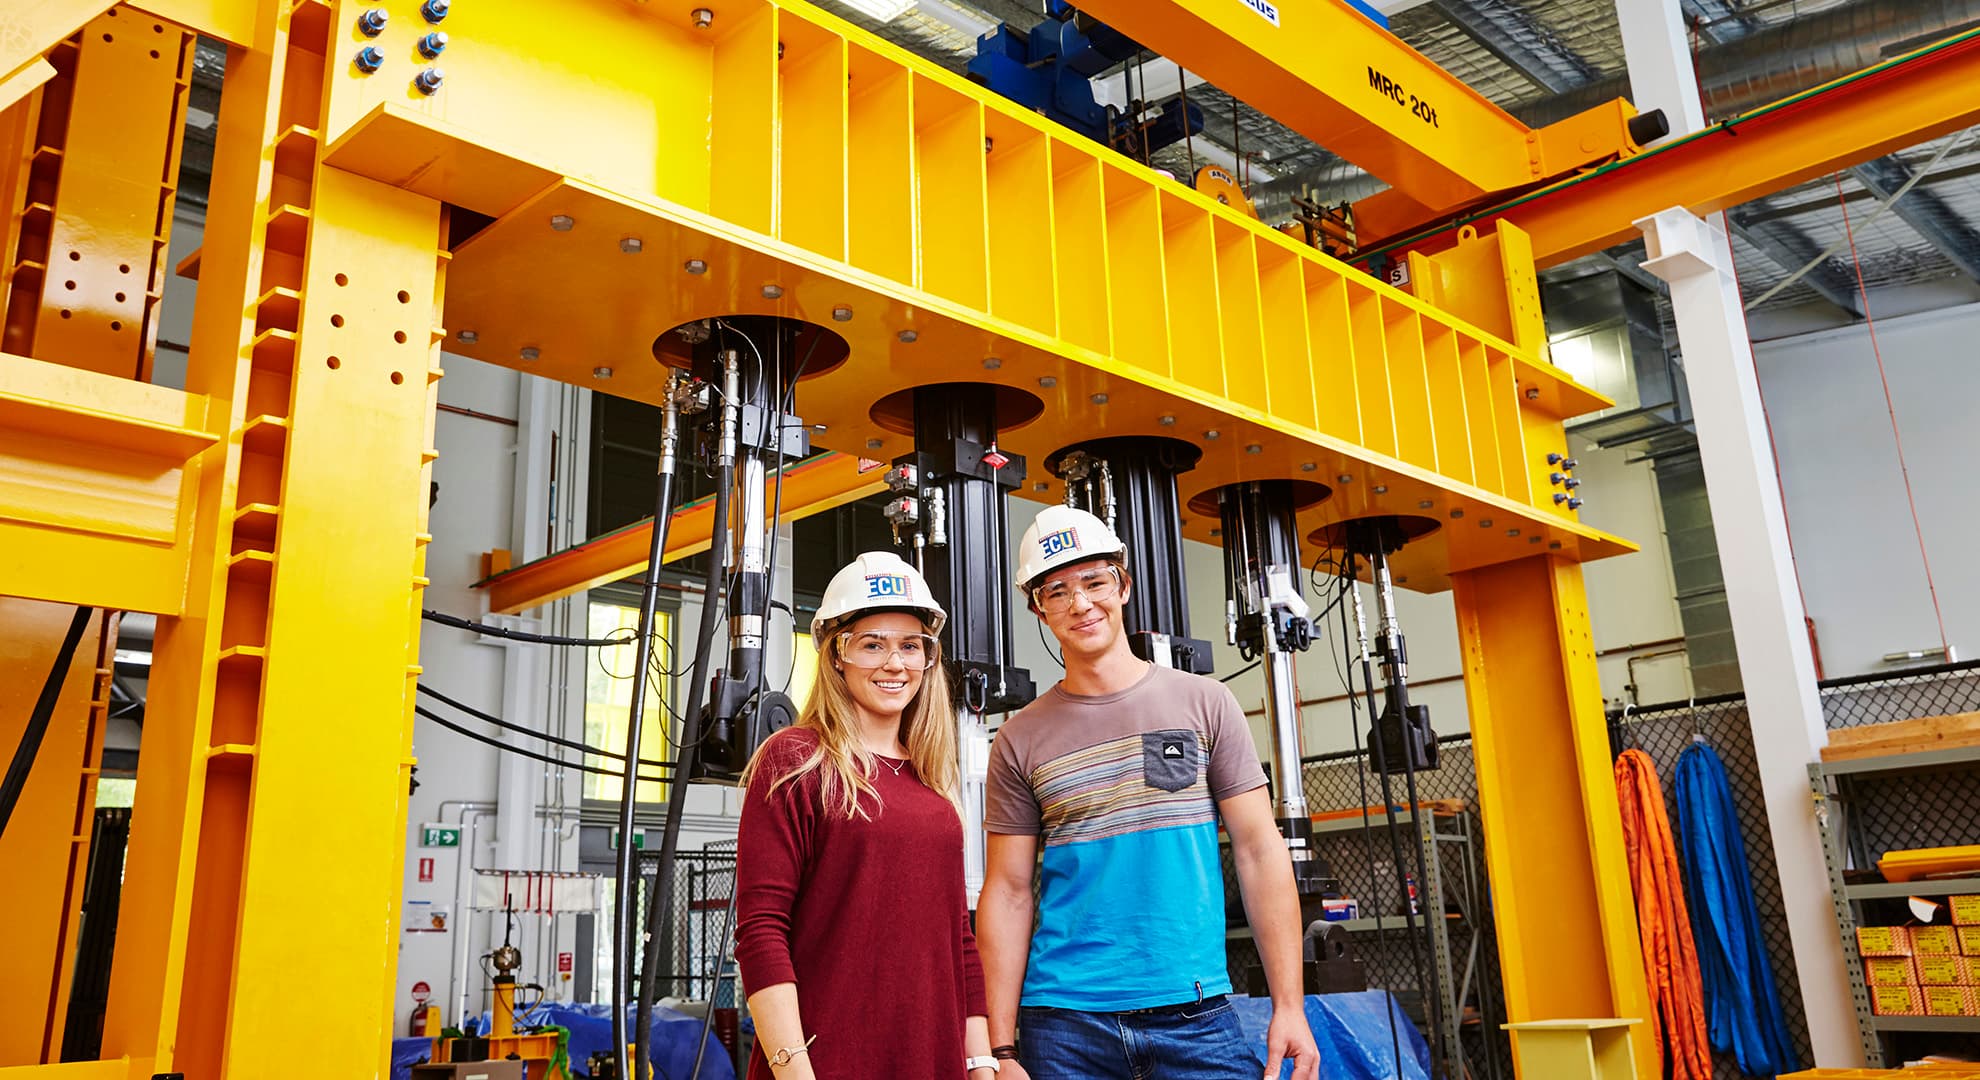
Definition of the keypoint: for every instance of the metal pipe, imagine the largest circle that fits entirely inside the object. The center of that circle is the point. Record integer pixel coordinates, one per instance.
(1282, 690)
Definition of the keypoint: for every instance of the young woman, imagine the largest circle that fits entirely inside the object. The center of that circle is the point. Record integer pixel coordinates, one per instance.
(853, 933)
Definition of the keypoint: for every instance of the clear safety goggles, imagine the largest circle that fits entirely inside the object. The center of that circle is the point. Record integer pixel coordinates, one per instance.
(873, 648)
(1097, 585)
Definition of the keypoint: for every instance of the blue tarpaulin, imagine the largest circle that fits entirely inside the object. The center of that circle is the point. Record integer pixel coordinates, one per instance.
(591, 1031)
(1353, 1032)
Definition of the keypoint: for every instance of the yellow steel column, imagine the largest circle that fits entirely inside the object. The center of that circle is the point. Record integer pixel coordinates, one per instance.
(173, 963)
(45, 849)
(1546, 793)
(324, 828)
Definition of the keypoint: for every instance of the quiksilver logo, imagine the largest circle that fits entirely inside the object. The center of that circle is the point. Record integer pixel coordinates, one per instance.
(1172, 750)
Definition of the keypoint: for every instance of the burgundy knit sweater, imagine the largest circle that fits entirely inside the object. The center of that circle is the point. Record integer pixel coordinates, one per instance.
(868, 917)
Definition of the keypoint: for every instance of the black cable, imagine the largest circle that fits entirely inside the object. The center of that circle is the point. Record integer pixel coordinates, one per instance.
(37, 725)
(533, 733)
(507, 748)
(1361, 779)
(714, 591)
(625, 866)
(1245, 670)
(1056, 658)
(445, 619)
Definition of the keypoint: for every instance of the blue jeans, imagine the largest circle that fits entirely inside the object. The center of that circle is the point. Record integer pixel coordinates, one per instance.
(1198, 1040)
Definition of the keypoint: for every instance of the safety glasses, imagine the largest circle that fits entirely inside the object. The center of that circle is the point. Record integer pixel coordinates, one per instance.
(1096, 585)
(872, 648)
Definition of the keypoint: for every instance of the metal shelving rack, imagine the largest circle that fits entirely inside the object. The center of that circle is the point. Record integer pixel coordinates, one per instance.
(1833, 785)
(1436, 833)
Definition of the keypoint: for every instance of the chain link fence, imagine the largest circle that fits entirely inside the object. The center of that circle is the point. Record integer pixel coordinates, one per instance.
(698, 930)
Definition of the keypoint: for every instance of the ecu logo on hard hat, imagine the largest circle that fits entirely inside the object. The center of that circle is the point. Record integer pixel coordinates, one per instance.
(1061, 541)
(887, 585)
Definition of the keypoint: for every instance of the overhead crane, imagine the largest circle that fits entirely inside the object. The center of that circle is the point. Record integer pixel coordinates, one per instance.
(769, 160)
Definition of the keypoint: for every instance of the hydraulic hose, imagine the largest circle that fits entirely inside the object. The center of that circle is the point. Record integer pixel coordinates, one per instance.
(37, 726)
(663, 507)
(662, 896)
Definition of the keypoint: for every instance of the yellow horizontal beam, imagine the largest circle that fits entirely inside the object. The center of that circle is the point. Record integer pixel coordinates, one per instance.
(1333, 75)
(812, 486)
(95, 476)
(960, 237)
(31, 28)
(1902, 102)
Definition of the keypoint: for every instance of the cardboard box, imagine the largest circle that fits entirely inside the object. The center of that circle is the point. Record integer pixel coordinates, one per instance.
(1934, 941)
(1948, 1000)
(1897, 1001)
(1883, 941)
(1890, 971)
(1940, 970)
(1965, 910)
(1969, 940)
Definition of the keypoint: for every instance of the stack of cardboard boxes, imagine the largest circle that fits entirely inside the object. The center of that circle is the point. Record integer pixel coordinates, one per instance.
(1925, 970)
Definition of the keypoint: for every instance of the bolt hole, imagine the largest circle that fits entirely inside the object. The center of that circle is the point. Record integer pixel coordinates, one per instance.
(157, 28)
(75, 256)
(114, 325)
(107, 37)
(334, 363)
(397, 378)
(405, 297)
(69, 285)
(399, 336)
(336, 320)
(154, 54)
(120, 298)
(66, 313)
(123, 268)
(341, 280)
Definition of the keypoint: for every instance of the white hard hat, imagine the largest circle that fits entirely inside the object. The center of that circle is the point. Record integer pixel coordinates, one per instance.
(877, 581)
(1060, 536)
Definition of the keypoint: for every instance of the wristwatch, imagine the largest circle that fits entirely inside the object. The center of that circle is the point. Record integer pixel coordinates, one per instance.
(975, 1063)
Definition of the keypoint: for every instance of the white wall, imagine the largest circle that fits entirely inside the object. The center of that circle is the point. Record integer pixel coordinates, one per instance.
(1854, 544)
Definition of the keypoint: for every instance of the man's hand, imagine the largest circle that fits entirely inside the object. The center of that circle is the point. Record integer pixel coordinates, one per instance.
(1289, 1037)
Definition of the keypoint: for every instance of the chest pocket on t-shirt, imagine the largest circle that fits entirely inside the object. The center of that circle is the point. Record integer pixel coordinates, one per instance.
(1169, 759)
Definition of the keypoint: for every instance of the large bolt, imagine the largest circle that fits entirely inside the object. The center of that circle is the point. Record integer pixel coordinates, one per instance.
(368, 59)
(428, 81)
(372, 21)
(433, 44)
(434, 10)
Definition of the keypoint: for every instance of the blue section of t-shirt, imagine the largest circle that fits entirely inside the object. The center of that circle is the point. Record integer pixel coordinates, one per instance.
(1129, 922)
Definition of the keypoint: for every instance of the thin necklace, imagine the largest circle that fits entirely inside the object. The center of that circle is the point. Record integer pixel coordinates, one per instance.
(897, 768)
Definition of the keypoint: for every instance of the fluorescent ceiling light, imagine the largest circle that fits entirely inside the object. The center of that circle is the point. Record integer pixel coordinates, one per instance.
(964, 20)
(881, 10)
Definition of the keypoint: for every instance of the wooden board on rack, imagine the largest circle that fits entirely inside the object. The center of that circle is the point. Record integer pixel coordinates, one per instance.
(1904, 737)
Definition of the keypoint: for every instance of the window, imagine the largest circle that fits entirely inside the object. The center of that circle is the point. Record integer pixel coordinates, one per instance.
(608, 700)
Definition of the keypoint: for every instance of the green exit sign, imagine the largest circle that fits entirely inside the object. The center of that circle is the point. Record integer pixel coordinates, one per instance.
(439, 836)
(639, 839)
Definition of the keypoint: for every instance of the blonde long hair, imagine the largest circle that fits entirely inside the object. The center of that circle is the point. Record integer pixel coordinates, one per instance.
(846, 767)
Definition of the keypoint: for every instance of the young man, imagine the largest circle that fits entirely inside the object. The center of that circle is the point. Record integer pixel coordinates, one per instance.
(1122, 771)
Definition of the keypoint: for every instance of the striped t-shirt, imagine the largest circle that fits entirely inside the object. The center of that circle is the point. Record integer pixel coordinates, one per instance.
(1123, 790)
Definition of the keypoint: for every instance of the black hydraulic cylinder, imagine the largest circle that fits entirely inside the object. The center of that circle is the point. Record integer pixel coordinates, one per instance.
(1136, 495)
(955, 430)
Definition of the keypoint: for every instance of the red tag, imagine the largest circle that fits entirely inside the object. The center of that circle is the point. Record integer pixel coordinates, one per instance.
(421, 991)
(565, 961)
(867, 465)
(995, 458)
(426, 869)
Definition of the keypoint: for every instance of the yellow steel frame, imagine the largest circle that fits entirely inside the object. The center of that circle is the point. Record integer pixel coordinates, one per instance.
(273, 512)
(1336, 77)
